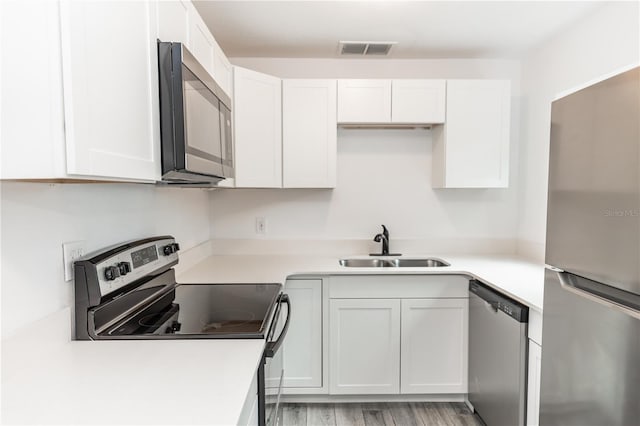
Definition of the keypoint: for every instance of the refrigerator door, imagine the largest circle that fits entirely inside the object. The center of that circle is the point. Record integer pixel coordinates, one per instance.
(593, 219)
(590, 356)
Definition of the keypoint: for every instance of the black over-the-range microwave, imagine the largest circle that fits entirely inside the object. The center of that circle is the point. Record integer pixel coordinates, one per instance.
(195, 120)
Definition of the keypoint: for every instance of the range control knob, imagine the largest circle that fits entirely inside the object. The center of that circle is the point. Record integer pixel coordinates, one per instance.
(111, 273)
(124, 268)
(170, 249)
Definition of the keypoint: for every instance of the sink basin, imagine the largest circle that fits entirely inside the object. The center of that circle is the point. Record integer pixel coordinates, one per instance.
(393, 263)
(365, 263)
(418, 263)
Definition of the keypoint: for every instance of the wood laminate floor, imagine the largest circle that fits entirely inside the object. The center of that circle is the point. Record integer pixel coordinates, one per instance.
(379, 414)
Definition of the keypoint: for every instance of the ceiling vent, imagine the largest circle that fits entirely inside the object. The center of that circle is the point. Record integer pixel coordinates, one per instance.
(366, 48)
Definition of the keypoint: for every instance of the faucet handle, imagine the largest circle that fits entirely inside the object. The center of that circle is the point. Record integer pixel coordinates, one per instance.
(385, 231)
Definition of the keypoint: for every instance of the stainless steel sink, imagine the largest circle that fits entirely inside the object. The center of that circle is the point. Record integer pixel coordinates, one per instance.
(365, 263)
(418, 263)
(393, 263)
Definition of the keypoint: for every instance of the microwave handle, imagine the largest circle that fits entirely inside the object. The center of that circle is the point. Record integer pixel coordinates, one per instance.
(272, 347)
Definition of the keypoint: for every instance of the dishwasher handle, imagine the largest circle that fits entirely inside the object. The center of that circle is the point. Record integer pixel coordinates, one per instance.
(500, 302)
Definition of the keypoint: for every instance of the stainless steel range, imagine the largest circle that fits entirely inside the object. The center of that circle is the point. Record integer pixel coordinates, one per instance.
(129, 291)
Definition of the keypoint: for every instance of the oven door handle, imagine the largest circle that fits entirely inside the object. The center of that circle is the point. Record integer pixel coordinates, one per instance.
(272, 347)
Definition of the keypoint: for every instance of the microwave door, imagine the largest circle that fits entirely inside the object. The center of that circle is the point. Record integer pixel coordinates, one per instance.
(227, 141)
(203, 134)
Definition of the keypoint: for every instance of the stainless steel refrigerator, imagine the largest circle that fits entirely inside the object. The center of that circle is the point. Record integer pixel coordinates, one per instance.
(591, 321)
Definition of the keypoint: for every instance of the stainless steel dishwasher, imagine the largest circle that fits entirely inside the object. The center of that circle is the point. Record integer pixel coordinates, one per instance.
(497, 356)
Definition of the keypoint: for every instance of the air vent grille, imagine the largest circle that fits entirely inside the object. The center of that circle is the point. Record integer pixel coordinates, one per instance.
(353, 49)
(378, 49)
(366, 48)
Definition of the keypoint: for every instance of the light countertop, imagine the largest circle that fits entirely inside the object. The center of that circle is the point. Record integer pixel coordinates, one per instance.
(49, 379)
(518, 278)
(125, 382)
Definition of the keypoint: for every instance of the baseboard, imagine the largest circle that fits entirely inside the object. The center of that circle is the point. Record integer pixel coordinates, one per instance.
(320, 399)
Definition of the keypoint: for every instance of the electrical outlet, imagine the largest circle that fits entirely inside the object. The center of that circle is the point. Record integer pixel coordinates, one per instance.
(261, 225)
(71, 251)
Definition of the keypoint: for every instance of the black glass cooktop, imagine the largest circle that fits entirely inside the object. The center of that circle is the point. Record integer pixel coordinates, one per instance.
(204, 311)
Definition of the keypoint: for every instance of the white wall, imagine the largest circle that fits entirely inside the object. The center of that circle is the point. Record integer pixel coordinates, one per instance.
(600, 43)
(38, 217)
(384, 68)
(384, 176)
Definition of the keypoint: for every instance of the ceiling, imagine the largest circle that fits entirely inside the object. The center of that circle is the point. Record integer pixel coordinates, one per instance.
(423, 29)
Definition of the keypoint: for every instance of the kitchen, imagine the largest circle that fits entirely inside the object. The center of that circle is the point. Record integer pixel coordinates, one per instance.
(383, 175)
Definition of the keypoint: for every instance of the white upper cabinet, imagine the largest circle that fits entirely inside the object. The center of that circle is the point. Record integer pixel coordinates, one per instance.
(201, 42)
(309, 133)
(110, 80)
(403, 101)
(257, 113)
(179, 21)
(32, 138)
(364, 101)
(222, 69)
(82, 102)
(471, 150)
(418, 101)
(173, 21)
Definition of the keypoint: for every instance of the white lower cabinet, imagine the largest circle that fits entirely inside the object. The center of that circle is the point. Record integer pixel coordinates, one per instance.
(249, 414)
(398, 334)
(364, 346)
(434, 346)
(303, 345)
(533, 383)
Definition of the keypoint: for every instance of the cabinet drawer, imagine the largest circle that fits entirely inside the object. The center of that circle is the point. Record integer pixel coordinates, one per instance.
(397, 287)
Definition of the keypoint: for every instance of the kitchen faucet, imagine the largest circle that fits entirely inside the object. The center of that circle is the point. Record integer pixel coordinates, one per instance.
(384, 238)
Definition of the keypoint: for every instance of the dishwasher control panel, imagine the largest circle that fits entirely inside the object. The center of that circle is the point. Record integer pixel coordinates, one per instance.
(500, 302)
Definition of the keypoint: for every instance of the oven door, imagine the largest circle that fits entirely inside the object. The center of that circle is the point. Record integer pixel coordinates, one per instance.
(272, 366)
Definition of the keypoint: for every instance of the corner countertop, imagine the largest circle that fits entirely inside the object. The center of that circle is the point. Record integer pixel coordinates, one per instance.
(49, 379)
(516, 277)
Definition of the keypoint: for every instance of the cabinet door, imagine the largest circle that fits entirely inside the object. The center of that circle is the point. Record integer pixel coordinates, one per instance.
(249, 413)
(303, 344)
(173, 21)
(32, 135)
(364, 346)
(257, 112)
(418, 101)
(222, 70)
(110, 80)
(364, 101)
(309, 133)
(471, 150)
(201, 42)
(434, 346)
(533, 383)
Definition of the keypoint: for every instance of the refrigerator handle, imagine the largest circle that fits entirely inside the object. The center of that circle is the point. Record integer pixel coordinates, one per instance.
(567, 284)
